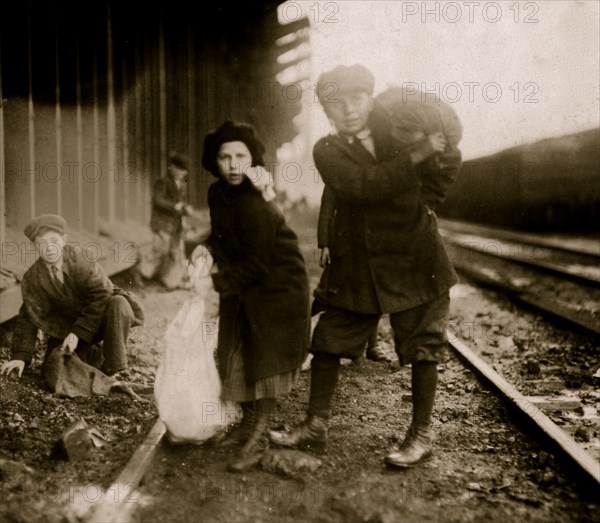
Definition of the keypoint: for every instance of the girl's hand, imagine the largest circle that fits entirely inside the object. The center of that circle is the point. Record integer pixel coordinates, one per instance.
(262, 180)
(259, 176)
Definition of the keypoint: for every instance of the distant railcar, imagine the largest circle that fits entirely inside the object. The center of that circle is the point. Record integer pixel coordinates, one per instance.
(550, 185)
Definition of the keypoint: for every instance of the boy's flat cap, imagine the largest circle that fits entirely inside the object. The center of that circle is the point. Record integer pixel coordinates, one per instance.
(343, 79)
(179, 160)
(45, 221)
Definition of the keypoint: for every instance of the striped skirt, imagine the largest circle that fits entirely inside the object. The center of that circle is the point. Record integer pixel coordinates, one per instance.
(235, 388)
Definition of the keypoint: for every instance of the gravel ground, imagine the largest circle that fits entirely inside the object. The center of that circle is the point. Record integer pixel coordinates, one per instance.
(32, 419)
(484, 468)
(536, 356)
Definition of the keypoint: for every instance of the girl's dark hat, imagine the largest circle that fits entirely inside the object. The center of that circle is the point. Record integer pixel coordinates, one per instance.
(231, 131)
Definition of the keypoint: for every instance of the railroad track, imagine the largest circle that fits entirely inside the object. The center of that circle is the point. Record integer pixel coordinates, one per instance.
(580, 267)
(589, 245)
(118, 505)
(562, 282)
(558, 278)
(531, 413)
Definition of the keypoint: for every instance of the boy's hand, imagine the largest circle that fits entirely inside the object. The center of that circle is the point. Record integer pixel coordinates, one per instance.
(438, 142)
(9, 366)
(324, 257)
(70, 343)
(434, 143)
(451, 158)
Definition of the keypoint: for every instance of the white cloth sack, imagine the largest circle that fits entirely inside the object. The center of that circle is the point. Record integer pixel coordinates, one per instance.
(187, 387)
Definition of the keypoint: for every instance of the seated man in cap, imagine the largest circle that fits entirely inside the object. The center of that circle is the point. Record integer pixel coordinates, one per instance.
(168, 208)
(73, 302)
(387, 257)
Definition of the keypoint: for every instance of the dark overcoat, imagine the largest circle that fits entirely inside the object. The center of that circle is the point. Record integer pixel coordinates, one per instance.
(78, 307)
(261, 279)
(386, 254)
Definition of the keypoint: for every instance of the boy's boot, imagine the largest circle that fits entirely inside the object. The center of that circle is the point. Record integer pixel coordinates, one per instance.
(417, 444)
(312, 432)
(374, 351)
(416, 448)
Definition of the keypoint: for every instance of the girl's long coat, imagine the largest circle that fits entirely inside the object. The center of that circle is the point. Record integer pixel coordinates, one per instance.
(262, 281)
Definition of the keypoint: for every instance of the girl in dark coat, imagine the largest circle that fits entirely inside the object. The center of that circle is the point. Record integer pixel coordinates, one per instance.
(264, 320)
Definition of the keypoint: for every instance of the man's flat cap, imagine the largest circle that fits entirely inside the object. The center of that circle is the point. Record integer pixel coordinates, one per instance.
(45, 221)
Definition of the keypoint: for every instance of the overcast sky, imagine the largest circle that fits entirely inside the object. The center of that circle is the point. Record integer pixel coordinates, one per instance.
(515, 72)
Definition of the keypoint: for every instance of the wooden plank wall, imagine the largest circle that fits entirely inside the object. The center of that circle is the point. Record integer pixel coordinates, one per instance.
(94, 97)
(90, 113)
(84, 115)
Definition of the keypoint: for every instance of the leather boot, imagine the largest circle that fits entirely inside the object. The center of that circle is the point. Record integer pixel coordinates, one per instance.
(257, 439)
(416, 448)
(240, 433)
(310, 434)
(251, 453)
(376, 353)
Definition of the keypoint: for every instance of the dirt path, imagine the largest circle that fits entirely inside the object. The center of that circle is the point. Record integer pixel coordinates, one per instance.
(484, 468)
